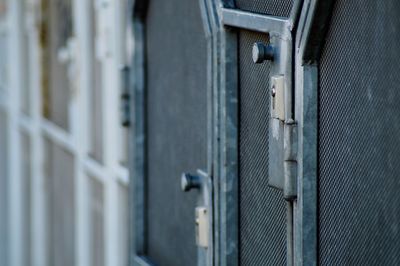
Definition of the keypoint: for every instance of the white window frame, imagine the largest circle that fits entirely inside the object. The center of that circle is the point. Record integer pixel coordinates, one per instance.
(110, 173)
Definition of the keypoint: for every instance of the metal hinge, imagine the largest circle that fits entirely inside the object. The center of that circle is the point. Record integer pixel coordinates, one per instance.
(282, 140)
(125, 97)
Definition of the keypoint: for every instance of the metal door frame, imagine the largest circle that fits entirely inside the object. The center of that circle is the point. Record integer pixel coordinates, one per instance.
(226, 160)
(310, 38)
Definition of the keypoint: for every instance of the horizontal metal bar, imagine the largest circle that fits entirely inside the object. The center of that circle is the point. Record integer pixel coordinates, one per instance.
(95, 170)
(255, 22)
(122, 174)
(58, 135)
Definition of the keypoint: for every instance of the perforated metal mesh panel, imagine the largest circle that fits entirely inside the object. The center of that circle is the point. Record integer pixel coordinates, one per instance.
(280, 8)
(359, 136)
(262, 209)
(176, 126)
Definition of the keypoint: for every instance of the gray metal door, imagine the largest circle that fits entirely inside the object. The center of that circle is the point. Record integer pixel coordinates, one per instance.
(170, 129)
(359, 133)
(257, 51)
(348, 91)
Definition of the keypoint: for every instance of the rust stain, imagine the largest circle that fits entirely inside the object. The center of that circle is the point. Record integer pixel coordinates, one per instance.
(44, 39)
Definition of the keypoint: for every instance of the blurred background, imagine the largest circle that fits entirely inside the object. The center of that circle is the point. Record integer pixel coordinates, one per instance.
(63, 151)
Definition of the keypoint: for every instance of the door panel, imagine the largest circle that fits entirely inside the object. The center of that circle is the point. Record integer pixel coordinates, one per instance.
(176, 113)
(359, 136)
(262, 209)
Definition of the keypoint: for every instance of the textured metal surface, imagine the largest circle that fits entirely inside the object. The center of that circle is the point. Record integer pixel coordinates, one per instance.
(176, 126)
(262, 209)
(359, 136)
(279, 8)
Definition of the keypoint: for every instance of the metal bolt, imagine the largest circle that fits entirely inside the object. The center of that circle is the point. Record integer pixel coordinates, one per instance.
(262, 52)
(189, 182)
(273, 91)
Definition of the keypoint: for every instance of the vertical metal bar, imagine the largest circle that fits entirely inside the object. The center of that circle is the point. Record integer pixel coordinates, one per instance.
(81, 22)
(205, 256)
(38, 225)
(137, 162)
(228, 148)
(306, 223)
(14, 178)
(110, 99)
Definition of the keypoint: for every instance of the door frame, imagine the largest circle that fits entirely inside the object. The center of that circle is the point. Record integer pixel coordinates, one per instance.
(310, 38)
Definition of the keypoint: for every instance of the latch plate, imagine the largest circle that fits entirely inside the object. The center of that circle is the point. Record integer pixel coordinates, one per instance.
(202, 227)
(282, 140)
(278, 97)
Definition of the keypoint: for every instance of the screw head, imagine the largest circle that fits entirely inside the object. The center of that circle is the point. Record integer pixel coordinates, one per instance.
(273, 91)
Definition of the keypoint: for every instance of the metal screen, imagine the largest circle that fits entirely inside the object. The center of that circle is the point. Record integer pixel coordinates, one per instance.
(176, 126)
(359, 136)
(262, 209)
(280, 8)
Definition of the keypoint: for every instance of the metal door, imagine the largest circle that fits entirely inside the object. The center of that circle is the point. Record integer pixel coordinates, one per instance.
(347, 74)
(256, 214)
(202, 101)
(170, 130)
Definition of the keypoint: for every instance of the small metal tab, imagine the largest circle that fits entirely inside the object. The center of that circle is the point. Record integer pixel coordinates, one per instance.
(202, 227)
(278, 97)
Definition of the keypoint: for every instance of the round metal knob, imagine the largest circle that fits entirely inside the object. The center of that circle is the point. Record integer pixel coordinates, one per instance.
(262, 52)
(189, 182)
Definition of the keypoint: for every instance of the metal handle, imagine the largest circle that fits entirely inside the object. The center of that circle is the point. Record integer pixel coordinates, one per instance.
(189, 182)
(262, 52)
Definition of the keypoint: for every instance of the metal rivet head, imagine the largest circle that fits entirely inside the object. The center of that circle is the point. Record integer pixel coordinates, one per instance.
(262, 52)
(273, 91)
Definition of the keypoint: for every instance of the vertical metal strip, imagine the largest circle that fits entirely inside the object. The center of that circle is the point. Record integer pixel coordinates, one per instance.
(15, 226)
(227, 122)
(306, 216)
(137, 154)
(137, 147)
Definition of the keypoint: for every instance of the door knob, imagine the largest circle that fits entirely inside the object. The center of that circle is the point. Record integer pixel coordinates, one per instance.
(262, 52)
(189, 182)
